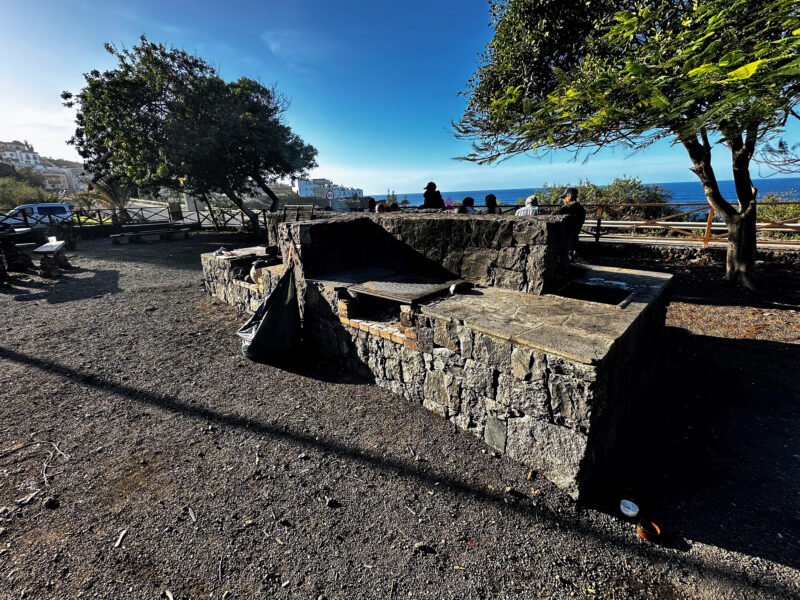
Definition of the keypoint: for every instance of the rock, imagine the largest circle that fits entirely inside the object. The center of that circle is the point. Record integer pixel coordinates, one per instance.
(51, 503)
(423, 548)
(332, 502)
(495, 433)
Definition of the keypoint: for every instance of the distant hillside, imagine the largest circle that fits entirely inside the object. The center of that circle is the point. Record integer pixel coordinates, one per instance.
(64, 163)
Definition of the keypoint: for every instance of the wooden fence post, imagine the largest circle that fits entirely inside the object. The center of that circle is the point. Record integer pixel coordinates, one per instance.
(708, 227)
(599, 222)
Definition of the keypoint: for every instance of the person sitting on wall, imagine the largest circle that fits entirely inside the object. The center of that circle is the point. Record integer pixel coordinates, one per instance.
(531, 208)
(467, 206)
(432, 197)
(491, 205)
(393, 207)
(574, 208)
(370, 206)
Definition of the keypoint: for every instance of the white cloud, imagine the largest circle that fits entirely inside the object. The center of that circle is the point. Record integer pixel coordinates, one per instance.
(47, 130)
(299, 49)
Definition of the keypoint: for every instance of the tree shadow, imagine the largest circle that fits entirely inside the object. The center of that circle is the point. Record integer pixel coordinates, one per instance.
(714, 453)
(778, 285)
(176, 254)
(379, 460)
(69, 289)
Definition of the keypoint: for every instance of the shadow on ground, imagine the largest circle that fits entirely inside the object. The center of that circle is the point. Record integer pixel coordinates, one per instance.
(174, 254)
(68, 288)
(428, 475)
(715, 452)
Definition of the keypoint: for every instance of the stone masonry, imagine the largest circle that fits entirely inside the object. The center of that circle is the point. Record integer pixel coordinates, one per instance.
(545, 378)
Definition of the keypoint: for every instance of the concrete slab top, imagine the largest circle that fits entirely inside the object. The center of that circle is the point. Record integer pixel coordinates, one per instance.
(578, 330)
(238, 253)
(385, 283)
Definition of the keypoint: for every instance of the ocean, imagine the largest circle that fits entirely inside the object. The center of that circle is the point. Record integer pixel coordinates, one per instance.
(682, 191)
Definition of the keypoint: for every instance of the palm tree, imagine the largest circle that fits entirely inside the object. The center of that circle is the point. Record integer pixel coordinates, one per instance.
(115, 192)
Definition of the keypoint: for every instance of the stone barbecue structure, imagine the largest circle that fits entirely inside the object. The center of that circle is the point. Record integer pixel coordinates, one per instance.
(481, 319)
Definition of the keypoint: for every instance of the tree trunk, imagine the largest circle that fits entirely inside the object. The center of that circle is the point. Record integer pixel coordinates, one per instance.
(263, 185)
(741, 249)
(211, 212)
(250, 214)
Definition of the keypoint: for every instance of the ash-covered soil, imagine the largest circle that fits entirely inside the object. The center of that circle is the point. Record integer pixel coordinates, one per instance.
(126, 406)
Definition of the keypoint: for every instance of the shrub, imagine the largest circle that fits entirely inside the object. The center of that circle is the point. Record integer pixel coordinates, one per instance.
(13, 193)
(779, 213)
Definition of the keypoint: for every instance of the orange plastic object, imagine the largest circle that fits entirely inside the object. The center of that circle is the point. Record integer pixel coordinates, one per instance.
(648, 530)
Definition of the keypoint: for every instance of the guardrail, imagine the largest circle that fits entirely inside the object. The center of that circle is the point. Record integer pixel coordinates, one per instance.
(712, 228)
(598, 223)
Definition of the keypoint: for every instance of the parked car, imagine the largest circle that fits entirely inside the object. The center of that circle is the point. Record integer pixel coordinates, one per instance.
(37, 215)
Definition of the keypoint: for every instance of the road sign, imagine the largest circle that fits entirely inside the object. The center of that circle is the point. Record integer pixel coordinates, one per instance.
(329, 195)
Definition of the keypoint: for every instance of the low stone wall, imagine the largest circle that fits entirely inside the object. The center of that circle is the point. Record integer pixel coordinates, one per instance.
(548, 379)
(557, 407)
(228, 278)
(527, 254)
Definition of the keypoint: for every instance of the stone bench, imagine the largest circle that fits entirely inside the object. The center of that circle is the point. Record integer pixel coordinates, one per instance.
(162, 233)
(53, 258)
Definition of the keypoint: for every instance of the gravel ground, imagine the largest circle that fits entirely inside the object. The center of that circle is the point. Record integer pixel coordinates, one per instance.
(140, 453)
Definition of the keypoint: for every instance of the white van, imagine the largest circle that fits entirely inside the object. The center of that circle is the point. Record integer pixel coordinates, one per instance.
(37, 215)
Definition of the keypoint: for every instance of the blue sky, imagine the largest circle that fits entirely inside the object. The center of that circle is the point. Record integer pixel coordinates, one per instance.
(373, 85)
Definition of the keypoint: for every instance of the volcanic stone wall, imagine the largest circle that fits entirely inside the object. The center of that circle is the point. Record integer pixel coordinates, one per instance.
(546, 379)
(557, 414)
(527, 255)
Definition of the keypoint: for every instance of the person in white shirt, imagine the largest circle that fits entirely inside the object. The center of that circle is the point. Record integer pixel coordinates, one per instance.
(530, 209)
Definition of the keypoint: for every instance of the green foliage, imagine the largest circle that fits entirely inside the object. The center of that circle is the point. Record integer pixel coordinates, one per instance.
(622, 190)
(405, 201)
(31, 177)
(113, 191)
(164, 118)
(13, 193)
(658, 68)
(779, 214)
(64, 231)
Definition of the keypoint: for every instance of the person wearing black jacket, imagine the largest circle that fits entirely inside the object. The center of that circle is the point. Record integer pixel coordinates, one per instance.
(432, 197)
(574, 208)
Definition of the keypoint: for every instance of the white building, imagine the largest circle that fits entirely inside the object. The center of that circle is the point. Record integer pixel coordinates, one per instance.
(317, 188)
(19, 154)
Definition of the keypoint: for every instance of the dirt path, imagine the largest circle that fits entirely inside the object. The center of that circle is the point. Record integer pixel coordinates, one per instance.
(234, 478)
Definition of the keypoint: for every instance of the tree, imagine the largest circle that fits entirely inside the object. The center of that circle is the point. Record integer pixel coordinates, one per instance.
(115, 192)
(14, 192)
(700, 72)
(164, 118)
(31, 177)
(227, 135)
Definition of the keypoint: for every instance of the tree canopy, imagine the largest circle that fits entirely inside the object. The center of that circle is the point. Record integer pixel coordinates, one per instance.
(164, 118)
(697, 71)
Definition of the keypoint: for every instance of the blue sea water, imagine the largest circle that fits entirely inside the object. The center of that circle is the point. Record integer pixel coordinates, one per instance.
(682, 191)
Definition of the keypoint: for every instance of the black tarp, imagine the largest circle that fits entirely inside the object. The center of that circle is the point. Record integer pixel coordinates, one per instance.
(275, 327)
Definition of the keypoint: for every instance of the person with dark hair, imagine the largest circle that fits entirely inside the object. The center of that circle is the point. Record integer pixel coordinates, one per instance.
(432, 197)
(467, 206)
(370, 205)
(573, 207)
(491, 204)
(393, 207)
